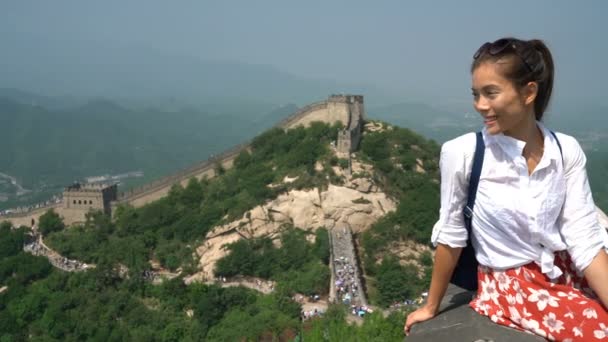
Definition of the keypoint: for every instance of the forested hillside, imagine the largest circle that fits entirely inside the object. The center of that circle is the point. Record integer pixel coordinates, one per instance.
(63, 306)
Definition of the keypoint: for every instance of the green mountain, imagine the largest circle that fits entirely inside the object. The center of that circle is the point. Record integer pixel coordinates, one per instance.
(114, 300)
(48, 149)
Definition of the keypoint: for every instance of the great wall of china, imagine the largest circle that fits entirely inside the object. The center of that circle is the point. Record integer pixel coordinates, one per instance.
(347, 109)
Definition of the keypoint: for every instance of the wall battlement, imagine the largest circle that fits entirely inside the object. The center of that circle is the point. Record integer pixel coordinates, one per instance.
(85, 197)
(345, 98)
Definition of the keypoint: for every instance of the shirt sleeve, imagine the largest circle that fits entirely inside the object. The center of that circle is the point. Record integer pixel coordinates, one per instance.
(450, 229)
(580, 226)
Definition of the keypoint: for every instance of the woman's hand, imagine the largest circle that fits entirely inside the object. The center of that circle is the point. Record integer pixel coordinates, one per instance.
(424, 313)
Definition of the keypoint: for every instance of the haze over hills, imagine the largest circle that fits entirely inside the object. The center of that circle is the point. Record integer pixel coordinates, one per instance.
(47, 149)
(144, 76)
(51, 141)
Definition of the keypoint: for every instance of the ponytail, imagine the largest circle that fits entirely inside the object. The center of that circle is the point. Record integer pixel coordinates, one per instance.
(543, 73)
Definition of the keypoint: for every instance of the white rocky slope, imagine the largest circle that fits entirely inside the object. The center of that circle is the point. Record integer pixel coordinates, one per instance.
(357, 204)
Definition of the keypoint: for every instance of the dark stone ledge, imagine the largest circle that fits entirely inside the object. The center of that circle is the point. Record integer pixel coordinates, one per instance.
(457, 322)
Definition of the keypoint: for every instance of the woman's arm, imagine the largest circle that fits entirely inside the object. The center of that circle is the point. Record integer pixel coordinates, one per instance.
(446, 258)
(579, 225)
(597, 276)
(449, 233)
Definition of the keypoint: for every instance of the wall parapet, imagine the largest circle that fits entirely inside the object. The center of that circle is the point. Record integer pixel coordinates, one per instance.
(26, 212)
(182, 175)
(300, 113)
(457, 321)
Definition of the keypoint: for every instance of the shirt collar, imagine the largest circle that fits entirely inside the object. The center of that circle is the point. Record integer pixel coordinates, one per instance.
(515, 148)
(511, 146)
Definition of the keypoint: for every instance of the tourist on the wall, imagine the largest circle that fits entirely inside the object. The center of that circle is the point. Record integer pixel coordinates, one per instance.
(535, 231)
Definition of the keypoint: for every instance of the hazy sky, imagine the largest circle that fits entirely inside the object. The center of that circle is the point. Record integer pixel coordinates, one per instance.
(418, 48)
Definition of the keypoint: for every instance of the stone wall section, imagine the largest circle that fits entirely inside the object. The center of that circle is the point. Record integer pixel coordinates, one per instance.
(347, 109)
(25, 218)
(338, 108)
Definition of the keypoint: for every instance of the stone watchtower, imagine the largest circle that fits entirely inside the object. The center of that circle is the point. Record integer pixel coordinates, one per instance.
(350, 136)
(83, 197)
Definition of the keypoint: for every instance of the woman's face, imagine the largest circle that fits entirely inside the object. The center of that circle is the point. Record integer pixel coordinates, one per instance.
(502, 107)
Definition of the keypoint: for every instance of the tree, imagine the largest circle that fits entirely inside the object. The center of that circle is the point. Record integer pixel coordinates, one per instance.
(396, 282)
(321, 246)
(192, 195)
(11, 242)
(50, 222)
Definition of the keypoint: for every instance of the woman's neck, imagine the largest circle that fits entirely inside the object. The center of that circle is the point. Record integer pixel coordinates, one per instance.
(526, 131)
(529, 132)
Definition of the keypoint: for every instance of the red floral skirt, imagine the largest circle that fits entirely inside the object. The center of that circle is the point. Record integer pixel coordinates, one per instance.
(524, 298)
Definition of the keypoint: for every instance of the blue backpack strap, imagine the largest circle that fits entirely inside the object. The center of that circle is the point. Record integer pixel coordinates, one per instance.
(465, 272)
(558, 145)
(480, 148)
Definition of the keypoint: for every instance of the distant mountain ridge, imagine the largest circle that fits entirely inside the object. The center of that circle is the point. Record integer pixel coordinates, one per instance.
(48, 149)
(87, 69)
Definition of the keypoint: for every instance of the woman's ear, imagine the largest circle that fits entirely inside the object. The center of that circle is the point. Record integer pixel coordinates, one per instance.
(529, 92)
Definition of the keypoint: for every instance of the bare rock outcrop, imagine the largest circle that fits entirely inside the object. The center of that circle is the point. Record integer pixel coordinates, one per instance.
(358, 205)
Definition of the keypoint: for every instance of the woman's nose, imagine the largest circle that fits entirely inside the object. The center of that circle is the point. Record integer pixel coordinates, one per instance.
(481, 104)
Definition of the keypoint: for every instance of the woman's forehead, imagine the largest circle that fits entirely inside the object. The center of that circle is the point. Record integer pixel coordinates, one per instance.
(488, 74)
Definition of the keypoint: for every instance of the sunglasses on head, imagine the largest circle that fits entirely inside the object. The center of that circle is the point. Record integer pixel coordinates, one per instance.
(500, 46)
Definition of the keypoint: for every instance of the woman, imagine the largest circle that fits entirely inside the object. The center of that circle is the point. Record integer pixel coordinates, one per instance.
(542, 253)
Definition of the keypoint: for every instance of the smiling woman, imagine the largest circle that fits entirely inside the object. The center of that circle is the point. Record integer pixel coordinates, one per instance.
(535, 231)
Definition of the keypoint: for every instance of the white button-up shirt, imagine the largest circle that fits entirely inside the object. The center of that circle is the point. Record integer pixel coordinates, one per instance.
(519, 218)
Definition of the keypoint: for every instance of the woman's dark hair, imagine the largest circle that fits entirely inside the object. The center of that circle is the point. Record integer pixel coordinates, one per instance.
(526, 61)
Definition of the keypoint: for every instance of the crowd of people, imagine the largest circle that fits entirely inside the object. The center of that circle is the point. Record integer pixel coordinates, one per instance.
(347, 282)
(360, 310)
(308, 314)
(36, 247)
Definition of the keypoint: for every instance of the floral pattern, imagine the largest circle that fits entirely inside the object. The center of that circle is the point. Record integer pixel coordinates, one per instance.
(524, 298)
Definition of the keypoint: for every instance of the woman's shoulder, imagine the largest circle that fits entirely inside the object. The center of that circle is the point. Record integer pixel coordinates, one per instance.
(567, 141)
(463, 145)
(572, 151)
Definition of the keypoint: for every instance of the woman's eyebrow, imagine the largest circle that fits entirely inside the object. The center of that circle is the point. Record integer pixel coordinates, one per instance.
(487, 87)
